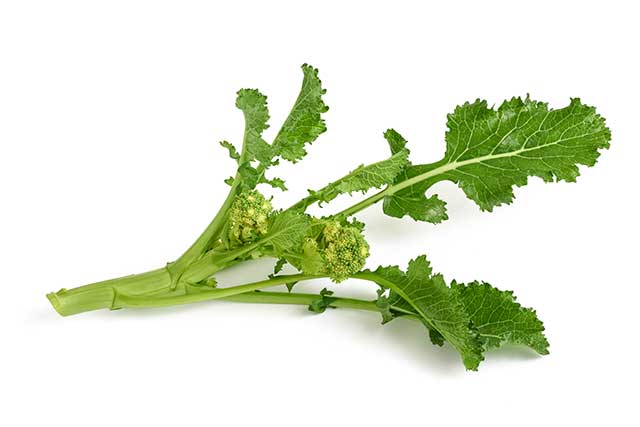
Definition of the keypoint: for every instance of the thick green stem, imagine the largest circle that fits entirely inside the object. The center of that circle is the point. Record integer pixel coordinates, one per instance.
(204, 240)
(154, 283)
(212, 232)
(102, 294)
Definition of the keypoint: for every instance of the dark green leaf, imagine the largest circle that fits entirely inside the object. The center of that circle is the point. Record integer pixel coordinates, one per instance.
(323, 302)
(499, 319)
(438, 305)
(396, 141)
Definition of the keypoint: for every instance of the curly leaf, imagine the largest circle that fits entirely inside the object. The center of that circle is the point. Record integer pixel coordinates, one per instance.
(304, 123)
(499, 319)
(438, 305)
(256, 115)
(494, 316)
(233, 153)
(491, 150)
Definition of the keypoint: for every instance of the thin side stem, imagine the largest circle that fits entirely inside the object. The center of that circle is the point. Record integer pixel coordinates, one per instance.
(197, 295)
(432, 171)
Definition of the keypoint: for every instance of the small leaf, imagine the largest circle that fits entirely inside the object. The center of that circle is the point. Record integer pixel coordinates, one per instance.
(290, 285)
(396, 141)
(286, 231)
(382, 302)
(323, 302)
(233, 153)
(279, 265)
(275, 183)
(416, 205)
(211, 283)
(311, 262)
(249, 175)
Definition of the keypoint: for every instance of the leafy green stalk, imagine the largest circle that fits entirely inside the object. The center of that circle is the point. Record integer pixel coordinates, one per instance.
(488, 153)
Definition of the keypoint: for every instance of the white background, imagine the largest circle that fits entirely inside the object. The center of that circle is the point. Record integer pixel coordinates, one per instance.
(110, 114)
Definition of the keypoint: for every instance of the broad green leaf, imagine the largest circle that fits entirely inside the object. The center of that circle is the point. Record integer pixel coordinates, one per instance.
(499, 319)
(495, 317)
(286, 231)
(304, 123)
(438, 305)
(491, 150)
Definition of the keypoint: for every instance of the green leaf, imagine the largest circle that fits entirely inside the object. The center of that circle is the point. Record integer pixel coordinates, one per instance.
(323, 302)
(438, 305)
(250, 177)
(233, 153)
(286, 231)
(396, 141)
(304, 123)
(363, 178)
(311, 261)
(275, 183)
(414, 204)
(256, 115)
(277, 268)
(382, 303)
(495, 316)
(499, 319)
(302, 126)
(279, 265)
(491, 150)
(417, 206)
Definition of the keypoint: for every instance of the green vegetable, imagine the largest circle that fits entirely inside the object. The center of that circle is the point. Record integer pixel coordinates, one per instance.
(488, 152)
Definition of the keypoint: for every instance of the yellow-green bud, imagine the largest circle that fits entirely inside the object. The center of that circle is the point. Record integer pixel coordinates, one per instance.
(248, 218)
(345, 251)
